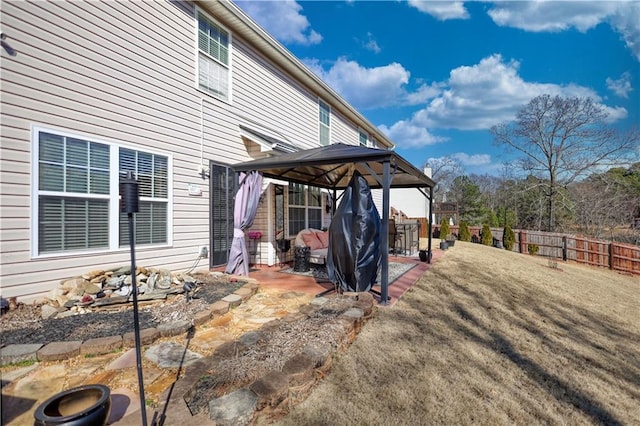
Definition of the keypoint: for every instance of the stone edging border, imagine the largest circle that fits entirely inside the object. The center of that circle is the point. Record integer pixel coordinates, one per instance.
(59, 351)
(273, 394)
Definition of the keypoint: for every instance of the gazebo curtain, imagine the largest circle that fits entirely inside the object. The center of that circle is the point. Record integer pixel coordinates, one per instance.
(245, 207)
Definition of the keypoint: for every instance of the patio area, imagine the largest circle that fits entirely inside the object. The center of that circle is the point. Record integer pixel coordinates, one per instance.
(271, 277)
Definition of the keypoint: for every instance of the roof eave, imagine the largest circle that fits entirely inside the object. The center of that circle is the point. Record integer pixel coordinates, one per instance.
(242, 25)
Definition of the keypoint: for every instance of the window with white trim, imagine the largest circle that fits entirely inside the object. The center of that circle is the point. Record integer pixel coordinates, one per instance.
(305, 208)
(324, 122)
(214, 46)
(78, 205)
(363, 138)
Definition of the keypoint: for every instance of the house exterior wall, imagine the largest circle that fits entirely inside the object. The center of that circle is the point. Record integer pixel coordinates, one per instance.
(124, 73)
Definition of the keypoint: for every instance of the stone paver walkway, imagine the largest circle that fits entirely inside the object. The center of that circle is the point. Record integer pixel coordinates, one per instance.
(24, 388)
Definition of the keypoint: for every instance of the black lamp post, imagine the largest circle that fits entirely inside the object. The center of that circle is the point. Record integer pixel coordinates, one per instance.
(129, 200)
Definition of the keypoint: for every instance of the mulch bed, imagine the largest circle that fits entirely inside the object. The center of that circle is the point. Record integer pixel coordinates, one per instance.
(25, 325)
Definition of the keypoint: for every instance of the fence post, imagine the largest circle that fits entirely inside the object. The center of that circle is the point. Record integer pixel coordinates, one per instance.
(611, 255)
(564, 248)
(523, 242)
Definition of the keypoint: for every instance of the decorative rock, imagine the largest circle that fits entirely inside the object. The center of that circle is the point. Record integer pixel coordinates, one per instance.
(233, 300)
(309, 310)
(115, 282)
(188, 279)
(48, 311)
(123, 270)
(230, 350)
(164, 279)
(270, 389)
(236, 408)
(151, 281)
(57, 351)
(101, 345)
(11, 354)
(92, 288)
(74, 283)
(87, 299)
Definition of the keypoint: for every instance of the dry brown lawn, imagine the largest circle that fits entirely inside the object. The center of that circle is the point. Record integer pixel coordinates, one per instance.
(492, 337)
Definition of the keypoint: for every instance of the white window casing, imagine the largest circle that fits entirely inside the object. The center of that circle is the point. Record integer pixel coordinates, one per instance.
(75, 206)
(213, 57)
(324, 123)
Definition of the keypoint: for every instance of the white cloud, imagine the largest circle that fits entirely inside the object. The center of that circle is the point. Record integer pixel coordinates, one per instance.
(441, 10)
(479, 96)
(553, 16)
(283, 20)
(408, 135)
(622, 86)
(476, 97)
(472, 160)
(371, 44)
(365, 88)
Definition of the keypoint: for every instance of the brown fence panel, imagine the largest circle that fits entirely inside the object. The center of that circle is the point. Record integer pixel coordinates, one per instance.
(625, 257)
(605, 254)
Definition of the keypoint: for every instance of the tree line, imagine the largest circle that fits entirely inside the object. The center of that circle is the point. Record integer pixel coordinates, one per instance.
(571, 171)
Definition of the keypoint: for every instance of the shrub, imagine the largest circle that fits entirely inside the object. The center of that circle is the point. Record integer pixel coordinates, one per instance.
(533, 249)
(465, 234)
(444, 229)
(508, 238)
(487, 237)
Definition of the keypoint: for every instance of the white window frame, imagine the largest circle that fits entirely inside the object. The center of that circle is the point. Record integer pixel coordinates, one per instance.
(367, 141)
(321, 124)
(113, 196)
(228, 66)
(306, 207)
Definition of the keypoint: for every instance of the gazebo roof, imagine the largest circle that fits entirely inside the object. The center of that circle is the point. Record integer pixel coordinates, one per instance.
(332, 167)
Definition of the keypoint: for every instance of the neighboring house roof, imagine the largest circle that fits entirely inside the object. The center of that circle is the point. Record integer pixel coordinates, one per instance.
(244, 27)
(266, 142)
(332, 167)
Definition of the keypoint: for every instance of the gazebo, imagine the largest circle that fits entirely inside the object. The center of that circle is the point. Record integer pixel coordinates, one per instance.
(331, 167)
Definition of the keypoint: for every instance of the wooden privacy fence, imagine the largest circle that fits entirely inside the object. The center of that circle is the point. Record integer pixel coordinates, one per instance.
(606, 254)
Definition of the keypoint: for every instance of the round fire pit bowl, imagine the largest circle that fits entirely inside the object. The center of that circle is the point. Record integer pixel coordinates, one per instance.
(81, 406)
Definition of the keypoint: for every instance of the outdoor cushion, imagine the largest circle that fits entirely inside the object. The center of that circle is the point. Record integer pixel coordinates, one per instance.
(311, 240)
(323, 236)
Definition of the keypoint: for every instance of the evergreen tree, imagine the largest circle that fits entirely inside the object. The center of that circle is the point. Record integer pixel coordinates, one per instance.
(487, 237)
(465, 234)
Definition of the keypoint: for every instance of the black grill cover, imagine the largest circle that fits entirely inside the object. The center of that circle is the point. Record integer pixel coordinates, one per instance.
(354, 253)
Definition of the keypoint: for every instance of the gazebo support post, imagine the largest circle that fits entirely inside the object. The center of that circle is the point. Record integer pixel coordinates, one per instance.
(384, 243)
(430, 225)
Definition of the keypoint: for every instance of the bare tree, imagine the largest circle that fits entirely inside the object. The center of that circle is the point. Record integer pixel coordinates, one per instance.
(561, 139)
(443, 171)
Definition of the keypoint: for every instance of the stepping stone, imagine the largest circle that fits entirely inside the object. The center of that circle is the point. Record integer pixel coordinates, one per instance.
(171, 355)
(126, 360)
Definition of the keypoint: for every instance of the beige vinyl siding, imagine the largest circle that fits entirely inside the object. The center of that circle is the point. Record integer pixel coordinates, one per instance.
(266, 96)
(124, 73)
(115, 71)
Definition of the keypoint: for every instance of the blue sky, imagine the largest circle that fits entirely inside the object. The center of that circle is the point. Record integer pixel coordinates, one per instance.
(434, 76)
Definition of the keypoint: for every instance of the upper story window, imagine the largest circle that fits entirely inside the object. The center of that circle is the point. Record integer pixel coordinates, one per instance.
(363, 138)
(76, 203)
(214, 45)
(324, 122)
